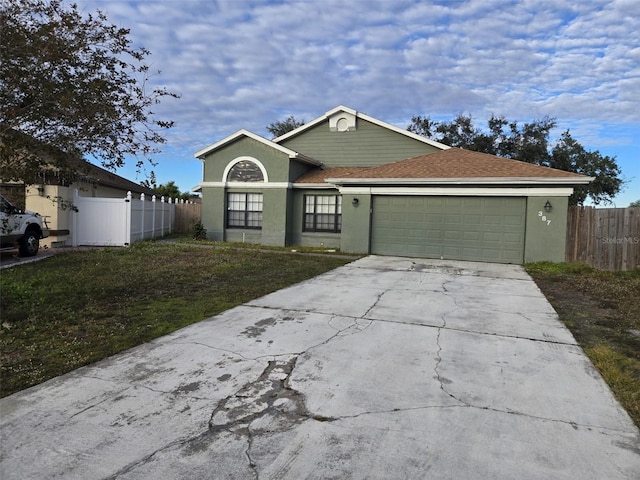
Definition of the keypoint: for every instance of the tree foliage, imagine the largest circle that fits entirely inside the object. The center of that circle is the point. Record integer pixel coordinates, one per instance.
(529, 142)
(167, 190)
(70, 87)
(635, 203)
(281, 127)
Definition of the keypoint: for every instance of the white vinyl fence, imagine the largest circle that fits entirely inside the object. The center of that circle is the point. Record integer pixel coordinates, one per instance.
(120, 221)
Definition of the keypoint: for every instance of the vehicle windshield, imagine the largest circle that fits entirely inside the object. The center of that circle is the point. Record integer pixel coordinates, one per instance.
(6, 207)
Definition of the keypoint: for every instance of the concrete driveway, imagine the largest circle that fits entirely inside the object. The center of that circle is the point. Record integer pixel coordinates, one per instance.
(386, 368)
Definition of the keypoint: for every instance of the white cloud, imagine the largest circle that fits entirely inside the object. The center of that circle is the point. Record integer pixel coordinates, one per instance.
(246, 63)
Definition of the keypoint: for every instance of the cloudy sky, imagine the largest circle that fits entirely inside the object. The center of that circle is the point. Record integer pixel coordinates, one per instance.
(245, 64)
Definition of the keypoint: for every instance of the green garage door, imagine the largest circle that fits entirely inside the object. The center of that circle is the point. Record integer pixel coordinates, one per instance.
(488, 229)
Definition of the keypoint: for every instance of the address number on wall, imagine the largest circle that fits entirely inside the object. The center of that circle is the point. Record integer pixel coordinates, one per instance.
(544, 218)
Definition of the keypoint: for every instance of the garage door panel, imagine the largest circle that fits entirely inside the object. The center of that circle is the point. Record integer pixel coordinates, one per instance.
(464, 228)
(513, 220)
(492, 220)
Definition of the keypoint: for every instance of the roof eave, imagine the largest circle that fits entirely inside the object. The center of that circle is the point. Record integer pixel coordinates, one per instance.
(463, 181)
(303, 158)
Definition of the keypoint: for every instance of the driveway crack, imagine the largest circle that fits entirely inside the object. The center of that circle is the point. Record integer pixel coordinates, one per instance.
(436, 368)
(378, 298)
(268, 404)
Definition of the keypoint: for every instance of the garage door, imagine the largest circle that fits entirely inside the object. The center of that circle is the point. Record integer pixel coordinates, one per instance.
(489, 229)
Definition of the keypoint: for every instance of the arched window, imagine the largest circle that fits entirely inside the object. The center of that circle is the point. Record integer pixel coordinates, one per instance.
(245, 171)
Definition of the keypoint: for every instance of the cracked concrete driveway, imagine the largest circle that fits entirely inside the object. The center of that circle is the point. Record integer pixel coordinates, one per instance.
(385, 368)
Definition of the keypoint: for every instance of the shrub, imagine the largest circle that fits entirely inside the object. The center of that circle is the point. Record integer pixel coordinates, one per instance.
(199, 232)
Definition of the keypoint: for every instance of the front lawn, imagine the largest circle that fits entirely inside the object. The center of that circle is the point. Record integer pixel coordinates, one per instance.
(602, 310)
(79, 307)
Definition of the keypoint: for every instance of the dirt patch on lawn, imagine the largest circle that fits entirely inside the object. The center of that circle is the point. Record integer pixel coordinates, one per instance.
(602, 310)
(596, 311)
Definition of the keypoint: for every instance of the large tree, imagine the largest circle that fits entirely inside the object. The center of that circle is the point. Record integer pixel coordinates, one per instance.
(72, 86)
(529, 143)
(284, 126)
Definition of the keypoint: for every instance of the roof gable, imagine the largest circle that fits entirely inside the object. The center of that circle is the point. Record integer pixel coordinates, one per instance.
(342, 109)
(246, 133)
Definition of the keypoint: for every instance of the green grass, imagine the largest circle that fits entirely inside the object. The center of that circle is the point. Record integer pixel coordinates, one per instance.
(253, 246)
(602, 310)
(79, 307)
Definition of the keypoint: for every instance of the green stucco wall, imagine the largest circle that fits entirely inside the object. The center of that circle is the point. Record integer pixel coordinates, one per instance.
(213, 212)
(274, 217)
(546, 232)
(368, 145)
(356, 224)
(275, 162)
(275, 223)
(309, 239)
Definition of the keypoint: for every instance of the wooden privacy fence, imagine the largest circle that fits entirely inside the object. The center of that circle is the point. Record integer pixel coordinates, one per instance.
(187, 215)
(120, 221)
(604, 238)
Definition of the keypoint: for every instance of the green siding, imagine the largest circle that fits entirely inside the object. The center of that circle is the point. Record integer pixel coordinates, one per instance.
(488, 229)
(368, 145)
(546, 231)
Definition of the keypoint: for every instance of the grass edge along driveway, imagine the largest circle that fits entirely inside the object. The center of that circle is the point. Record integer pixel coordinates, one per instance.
(602, 311)
(78, 307)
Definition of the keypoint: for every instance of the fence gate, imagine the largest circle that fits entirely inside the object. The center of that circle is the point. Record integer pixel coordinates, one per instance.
(118, 222)
(101, 222)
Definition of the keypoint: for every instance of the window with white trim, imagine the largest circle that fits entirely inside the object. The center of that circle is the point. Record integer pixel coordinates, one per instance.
(244, 210)
(245, 171)
(322, 213)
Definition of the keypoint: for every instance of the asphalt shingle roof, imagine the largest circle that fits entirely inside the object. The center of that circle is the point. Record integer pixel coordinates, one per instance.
(451, 163)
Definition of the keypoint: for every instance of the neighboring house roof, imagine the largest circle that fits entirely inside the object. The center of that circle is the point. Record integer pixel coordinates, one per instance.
(89, 173)
(57, 163)
(246, 133)
(104, 177)
(454, 165)
(375, 121)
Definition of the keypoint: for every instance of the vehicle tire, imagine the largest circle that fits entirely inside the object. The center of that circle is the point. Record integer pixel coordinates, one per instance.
(30, 244)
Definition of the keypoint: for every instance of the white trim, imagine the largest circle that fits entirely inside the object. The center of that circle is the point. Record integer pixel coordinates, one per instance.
(335, 124)
(375, 121)
(325, 186)
(246, 133)
(461, 191)
(464, 181)
(245, 185)
(246, 158)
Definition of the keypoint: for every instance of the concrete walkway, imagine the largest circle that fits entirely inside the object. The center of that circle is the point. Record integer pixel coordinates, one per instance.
(386, 368)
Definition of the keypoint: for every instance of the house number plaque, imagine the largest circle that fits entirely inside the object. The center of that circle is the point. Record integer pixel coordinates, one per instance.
(544, 218)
